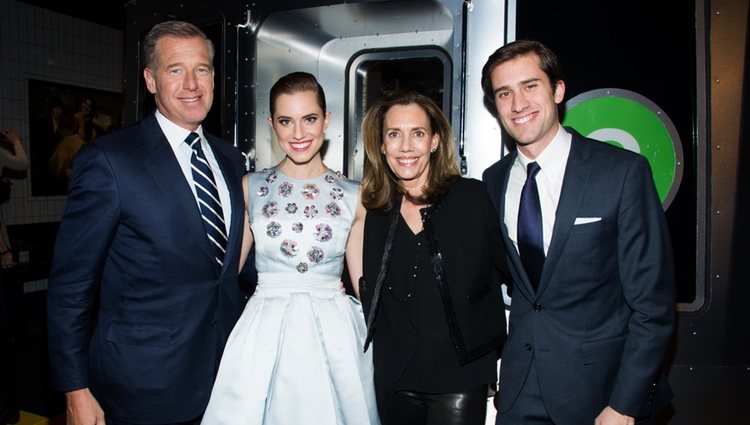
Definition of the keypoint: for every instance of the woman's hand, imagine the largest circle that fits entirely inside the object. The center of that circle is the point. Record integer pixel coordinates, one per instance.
(12, 136)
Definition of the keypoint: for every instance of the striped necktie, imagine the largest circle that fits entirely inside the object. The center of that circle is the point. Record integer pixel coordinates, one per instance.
(208, 198)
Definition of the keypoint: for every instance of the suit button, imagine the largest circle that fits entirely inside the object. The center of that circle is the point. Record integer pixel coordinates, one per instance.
(527, 346)
(213, 323)
(537, 307)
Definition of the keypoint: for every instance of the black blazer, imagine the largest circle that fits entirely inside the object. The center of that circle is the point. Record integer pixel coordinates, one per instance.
(599, 325)
(464, 240)
(131, 242)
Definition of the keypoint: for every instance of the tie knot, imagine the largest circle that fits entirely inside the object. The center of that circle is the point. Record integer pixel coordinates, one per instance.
(532, 169)
(193, 140)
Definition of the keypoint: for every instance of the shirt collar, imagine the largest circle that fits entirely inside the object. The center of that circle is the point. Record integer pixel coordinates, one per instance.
(175, 134)
(553, 158)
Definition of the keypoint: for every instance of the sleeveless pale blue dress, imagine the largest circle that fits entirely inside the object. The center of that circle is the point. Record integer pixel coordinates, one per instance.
(295, 355)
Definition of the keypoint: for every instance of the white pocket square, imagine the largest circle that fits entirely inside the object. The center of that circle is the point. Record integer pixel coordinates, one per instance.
(586, 220)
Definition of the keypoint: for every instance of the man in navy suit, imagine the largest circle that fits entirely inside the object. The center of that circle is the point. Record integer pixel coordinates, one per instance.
(140, 301)
(593, 300)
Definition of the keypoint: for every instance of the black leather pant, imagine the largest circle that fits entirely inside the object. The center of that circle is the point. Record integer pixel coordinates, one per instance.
(414, 408)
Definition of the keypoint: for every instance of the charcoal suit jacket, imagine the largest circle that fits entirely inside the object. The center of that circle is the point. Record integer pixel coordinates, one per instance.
(597, 328)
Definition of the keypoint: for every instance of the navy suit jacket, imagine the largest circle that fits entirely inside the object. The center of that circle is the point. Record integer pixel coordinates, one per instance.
(599, 325)
(138, 311)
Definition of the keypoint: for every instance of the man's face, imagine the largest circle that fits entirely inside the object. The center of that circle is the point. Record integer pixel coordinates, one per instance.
(526, 102)
(183, 81)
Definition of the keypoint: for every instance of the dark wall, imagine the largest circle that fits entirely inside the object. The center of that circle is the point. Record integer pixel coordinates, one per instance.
(643, 46)
(690, 58)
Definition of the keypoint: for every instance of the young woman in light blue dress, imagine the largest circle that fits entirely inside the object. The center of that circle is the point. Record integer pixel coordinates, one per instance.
(295, 356)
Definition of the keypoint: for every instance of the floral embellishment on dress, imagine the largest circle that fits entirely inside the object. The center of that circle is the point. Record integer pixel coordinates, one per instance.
(291, 207)
(310, 191)
(330, 178)
(273, 229)
(302, 267)
(311, 211)
(337, 193)
(323, 232)
(263, 191)
(271, 177)
(297, 227)
(333, 209)
(315, 254)
(286, 189)
(270, 209)
(289, 248)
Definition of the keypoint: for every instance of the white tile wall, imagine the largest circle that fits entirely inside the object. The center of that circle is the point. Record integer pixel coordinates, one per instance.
(43, 45)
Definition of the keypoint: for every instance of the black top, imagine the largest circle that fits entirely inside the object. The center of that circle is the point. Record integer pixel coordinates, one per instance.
(465, 256)
(446, 335)
(412, 311)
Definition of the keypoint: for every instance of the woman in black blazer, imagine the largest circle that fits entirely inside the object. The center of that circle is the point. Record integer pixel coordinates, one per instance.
(433, 264)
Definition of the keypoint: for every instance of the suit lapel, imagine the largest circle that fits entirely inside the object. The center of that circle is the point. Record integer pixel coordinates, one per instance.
(498, 188)
(573, 188)
(167, 175)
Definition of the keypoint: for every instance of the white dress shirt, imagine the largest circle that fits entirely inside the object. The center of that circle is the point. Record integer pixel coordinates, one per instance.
(176, 136)
(552, 161)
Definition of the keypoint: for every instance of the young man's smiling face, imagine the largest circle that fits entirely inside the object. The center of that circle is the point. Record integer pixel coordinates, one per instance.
(526, 102)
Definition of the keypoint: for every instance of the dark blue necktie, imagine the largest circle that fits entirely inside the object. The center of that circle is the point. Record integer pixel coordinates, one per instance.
(208, 198)
(530, 239)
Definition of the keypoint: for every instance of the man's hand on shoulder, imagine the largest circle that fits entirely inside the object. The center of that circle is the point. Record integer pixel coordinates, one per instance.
(610, 416)
(83, 409)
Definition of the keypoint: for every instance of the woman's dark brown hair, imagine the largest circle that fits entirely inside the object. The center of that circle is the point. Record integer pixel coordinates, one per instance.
(295, 83)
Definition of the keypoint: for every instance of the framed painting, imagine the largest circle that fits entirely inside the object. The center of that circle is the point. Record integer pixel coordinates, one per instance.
(63, 118)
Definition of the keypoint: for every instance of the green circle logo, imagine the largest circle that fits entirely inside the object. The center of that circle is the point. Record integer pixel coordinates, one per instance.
(631, 121)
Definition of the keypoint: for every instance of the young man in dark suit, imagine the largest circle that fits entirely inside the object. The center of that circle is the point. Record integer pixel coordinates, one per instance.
(143, 289)
(593, 303)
